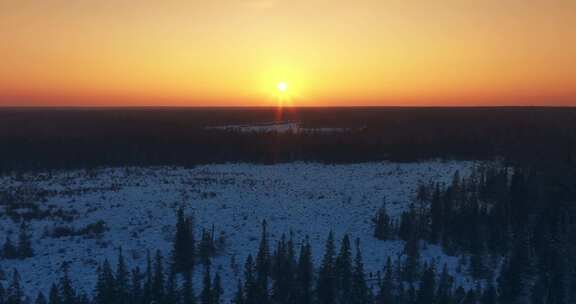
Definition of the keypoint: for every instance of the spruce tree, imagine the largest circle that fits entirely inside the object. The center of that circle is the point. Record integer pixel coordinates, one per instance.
(121, 282)
(183, 249)
(147, 289)
(250, 293)
(2, 294)
(54, 295)
(24, 244)
(360, 292)
(206, 247)
(8, 250)
(489, 294)
(67, 292)
(262, 266)
(136, 292)
(427, 289)
(188, 289)
(171, 296)
(158, 280)
(15, 294)
(239, 295)
(386, 295)
(305, 275)
(444, 291)
(40, 299)
(326, 286)
(217, 290)
(343, 272)
(382, 225)
(206, 294)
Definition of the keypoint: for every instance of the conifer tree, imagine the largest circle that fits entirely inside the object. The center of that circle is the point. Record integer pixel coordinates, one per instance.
(217, 290)
(188, 289)
(444, 291)
(343, 272)
(326, 286)
(136, 292)
(206, 294)
(427, 289)
(183, 250)
(2, 294)
(305, 275)
(54, 295)
(121, 282)
(40, 299)
(158, 280)
(489, 294)
(147, 289)
(386, 295)
(24, 249)
(262, 266)
(15, 294)
(206, 247)
(239, 295)
(382, 225)
(171, 296)
(250, 293)
(8, 250)
(360, 291)
(67, 292)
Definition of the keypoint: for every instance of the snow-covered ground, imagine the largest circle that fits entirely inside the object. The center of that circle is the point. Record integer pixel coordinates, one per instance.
(139, 206)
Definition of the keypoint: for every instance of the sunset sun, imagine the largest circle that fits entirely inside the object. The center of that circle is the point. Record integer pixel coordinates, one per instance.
(282, 86)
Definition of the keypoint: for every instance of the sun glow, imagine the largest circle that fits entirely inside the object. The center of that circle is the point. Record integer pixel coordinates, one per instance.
(282, 86)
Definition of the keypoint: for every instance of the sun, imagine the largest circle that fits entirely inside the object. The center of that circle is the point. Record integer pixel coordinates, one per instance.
(282, 86)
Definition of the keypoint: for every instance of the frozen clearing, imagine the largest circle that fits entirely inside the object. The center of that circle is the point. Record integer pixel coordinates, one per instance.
(139, 206)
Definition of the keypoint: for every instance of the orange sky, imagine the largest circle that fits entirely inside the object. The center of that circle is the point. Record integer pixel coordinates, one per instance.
(329, 52)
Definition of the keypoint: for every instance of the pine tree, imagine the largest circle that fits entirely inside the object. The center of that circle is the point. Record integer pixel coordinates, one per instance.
(2, 294)
(54, 296)
(24, 244)
(444, 292)
(280, 273)
(147, 289)
(105, 286)
(171, 296)
(217, 290)
(250, 292)
(121, 283)
(206, 247)
(489, 294)
(305, 275)
(40, 299)
(412, 263)
(136, 293)
(206, 294)
(343, 272)
(8, 250)
(382, 225)
(188, 289)
(263, 266)
(386, 295)
(15, 293)
(67, 292)
(427, 288)
(470, 298)
(158, 280)
(326, 286)
(239, 295)
(184, 244)
(360, 291)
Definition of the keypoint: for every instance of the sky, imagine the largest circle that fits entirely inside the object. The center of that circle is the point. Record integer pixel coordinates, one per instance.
(326, 53)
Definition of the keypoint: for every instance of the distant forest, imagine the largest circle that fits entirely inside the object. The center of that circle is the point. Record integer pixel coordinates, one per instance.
(37, 139)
